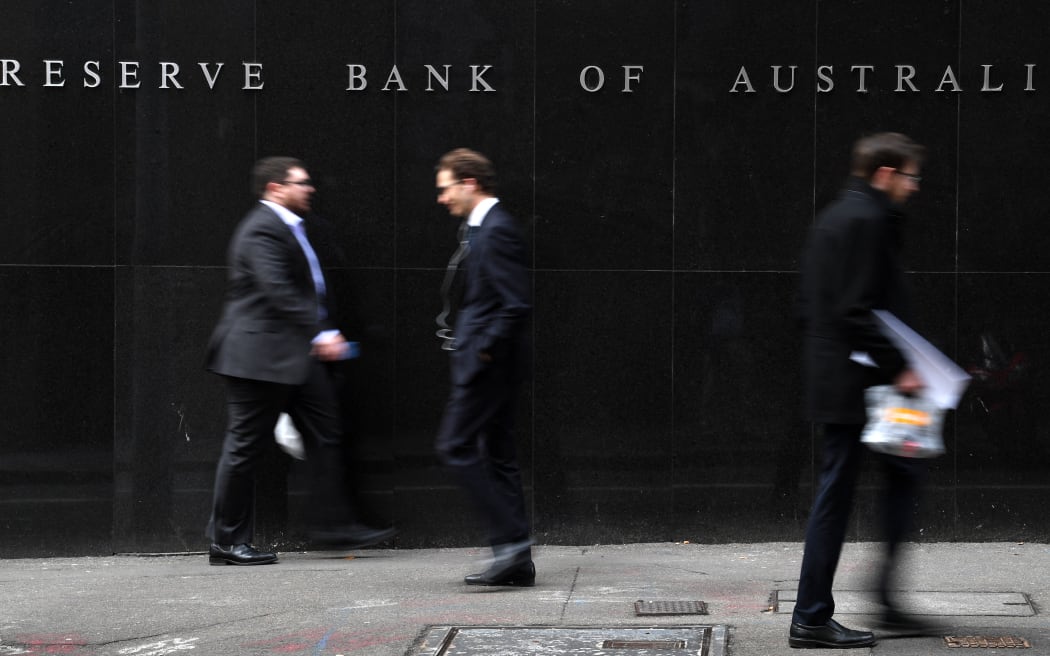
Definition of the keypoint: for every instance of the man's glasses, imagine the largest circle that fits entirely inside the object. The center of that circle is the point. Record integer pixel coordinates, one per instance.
(911, 176)
(443, 188)
(301, 183)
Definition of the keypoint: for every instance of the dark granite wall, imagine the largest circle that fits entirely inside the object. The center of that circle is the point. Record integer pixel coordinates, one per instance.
(665, 224)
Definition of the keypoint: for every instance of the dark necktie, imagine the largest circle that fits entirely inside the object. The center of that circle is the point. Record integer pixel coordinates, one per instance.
(466, 233)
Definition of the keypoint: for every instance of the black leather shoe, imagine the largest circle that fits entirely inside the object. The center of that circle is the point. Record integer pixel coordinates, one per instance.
(831, 635)
(239, 554)
(522, 575)
(350, 537)
(894, 621)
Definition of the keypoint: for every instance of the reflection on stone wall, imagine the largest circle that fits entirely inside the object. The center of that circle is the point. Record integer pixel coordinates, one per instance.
(665, 221)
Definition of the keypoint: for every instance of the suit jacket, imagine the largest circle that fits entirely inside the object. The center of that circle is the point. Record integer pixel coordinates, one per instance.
(851, 266)
(270, 314)
(496, 302)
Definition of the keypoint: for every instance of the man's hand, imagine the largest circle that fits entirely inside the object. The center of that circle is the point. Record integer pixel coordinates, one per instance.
(908, 382)
(330, 348)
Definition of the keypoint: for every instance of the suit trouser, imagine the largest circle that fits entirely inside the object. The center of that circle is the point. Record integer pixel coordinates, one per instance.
(476, 442)
(252, 408)
(829, 518)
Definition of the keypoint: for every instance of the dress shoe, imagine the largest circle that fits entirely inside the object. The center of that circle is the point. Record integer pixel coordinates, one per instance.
(895, 621)
(831, 635)
(353, 536)
(522, 575)
(239, 554)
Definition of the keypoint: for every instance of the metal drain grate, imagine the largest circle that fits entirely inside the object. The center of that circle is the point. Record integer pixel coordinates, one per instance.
(644, 644)
(670, 607)
(940, 603)
(987, 642)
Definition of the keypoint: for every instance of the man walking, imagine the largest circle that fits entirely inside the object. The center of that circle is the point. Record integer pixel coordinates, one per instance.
(852, 266)
(488, 362)
(273, 346)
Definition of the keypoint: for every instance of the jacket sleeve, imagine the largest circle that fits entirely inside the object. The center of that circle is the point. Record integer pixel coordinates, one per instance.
(864, 289)
(504, 267)
(269, 255)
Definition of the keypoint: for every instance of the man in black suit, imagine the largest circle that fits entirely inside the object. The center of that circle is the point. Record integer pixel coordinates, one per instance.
(852, 266)
(274, 346)
(488, 362)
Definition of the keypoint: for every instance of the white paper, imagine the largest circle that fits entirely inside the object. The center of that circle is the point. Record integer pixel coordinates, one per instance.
(288, 438)
(945, 381)
(864, 358)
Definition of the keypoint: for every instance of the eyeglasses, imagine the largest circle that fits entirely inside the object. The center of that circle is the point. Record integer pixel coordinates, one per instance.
(302, 183)
(443, 188)
(911, 176)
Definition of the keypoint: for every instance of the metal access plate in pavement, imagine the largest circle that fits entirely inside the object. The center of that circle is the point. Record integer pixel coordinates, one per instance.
(573, 641)
(949, 604)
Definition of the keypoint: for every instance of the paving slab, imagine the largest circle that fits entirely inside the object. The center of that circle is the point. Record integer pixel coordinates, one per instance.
(386, 602)
(574, 641)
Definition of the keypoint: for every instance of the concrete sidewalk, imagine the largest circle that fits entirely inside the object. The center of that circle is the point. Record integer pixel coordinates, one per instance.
(386, 602)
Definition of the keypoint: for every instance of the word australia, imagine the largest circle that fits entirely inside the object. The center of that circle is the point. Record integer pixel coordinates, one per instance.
(906, 78)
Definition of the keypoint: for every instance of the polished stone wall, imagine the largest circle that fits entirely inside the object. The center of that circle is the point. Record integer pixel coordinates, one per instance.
(665, 226)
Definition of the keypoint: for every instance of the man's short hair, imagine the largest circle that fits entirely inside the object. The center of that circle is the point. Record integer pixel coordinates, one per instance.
(890, 149)
(272, 169)
(466, 163)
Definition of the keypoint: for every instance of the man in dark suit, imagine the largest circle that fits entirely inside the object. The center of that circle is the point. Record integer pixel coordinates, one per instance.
(274, 346)
(852, 266)
(488, 362)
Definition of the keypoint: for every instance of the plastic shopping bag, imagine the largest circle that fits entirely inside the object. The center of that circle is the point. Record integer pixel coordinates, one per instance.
(902, 425)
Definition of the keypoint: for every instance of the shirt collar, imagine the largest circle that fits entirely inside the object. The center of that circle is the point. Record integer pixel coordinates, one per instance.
(477, 215)
(289, 217)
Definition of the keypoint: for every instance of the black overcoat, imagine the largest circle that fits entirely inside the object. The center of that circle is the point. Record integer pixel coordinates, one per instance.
(851, 266)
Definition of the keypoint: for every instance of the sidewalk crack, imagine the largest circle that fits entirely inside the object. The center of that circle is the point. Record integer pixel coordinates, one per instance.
(681, 569)
(568, 598)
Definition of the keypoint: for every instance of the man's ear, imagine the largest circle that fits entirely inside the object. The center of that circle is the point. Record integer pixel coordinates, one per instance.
(271, 188)
(882, 177)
